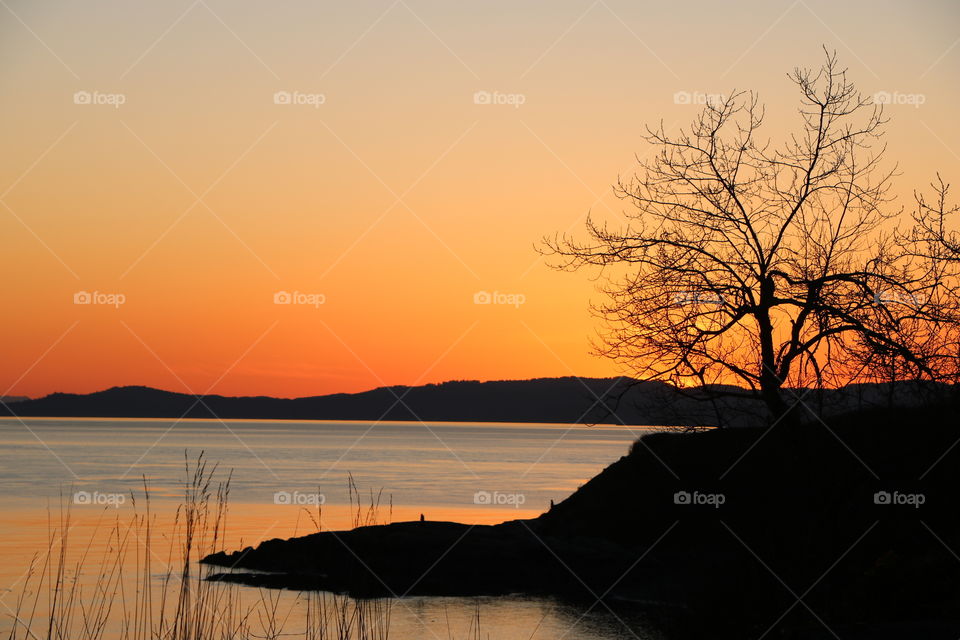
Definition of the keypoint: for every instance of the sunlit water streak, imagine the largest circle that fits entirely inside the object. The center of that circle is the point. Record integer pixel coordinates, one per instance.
(279, 470)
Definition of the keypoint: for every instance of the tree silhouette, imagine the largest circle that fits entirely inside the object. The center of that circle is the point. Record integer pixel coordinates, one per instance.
(765, 266)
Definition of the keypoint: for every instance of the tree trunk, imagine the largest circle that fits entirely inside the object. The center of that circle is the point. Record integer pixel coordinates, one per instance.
(770, 382)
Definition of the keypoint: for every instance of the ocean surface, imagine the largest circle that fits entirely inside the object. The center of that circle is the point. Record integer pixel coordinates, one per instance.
(86, 476)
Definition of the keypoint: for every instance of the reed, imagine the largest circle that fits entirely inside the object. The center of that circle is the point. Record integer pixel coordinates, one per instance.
(119, 595)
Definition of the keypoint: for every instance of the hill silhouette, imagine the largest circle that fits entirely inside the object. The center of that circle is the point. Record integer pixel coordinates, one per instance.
(558, 400)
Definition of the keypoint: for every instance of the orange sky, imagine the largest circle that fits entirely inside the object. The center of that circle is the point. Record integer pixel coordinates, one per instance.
(396, 199)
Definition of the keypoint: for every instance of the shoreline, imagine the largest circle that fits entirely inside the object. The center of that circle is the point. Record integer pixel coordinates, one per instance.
(803, 501)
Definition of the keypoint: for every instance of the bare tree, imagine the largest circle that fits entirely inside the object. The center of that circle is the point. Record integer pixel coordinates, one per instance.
(932, 235)
(932, 245)
(766, 266)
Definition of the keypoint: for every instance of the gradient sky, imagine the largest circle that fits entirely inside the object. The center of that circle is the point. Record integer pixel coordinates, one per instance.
(397, 199)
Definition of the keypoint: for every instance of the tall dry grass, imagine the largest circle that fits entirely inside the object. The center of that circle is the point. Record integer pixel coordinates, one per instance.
(132, 592)
(67, 594)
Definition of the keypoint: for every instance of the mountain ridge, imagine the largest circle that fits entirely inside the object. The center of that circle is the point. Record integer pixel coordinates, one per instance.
(567, 399)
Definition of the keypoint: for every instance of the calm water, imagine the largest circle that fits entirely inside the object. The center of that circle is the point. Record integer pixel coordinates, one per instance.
(478, 473)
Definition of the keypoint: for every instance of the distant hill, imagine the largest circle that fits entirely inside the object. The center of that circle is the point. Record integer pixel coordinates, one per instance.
(9, 399)
(560, 400)
(563, 400)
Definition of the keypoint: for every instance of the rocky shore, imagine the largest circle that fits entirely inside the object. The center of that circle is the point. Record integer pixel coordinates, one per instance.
(799, 531)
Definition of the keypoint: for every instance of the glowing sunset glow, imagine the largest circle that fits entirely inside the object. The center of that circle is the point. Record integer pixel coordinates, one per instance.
(548, 319)
(381, 188)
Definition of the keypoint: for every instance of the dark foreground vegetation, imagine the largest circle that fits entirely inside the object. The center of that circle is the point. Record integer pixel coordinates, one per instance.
(848, 529)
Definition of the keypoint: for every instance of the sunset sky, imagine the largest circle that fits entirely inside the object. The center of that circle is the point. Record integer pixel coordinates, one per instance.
(147, 153)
